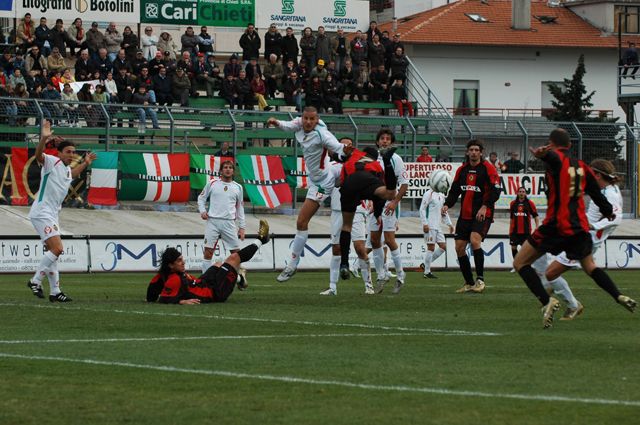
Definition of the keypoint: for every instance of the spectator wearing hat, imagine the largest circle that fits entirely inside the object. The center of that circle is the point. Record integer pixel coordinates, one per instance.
(319, 71)
(303, 70)
(181, 87)
(170, 64)
(112, 41)
(308, 46)
(166, 44)
(290, 47)
(205, 42)
(95, 40)
(253, 68)
(323, 46)
(273, 74)
(232, 68)
(189, 41)
(149, 43)
(250, 43)
(272, 43)
(138, 62)
(130, 43)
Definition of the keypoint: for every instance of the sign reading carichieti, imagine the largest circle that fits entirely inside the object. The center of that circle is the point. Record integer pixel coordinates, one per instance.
(125, 11)
(221, 13)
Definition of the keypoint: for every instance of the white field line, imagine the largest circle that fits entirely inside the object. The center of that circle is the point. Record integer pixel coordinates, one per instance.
(200, 338)
(347, 384)
(256, 319)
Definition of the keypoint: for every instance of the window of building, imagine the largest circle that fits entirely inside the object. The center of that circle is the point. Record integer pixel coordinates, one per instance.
(627, 18)
(476, 17)
(465, 97)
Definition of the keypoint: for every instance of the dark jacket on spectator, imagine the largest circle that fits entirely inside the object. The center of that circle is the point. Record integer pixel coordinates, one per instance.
(205, 43)
(103, 65)
(251, 71)
(84, 70)
(58, 39)
(289, 87)
(250, 44)
(179, 84)
(290, 49)
(122, 82)
(43, 34)
(376, 55)
(272, 44)
(189, 43)
(308, 48)
(137, 64)
(358, 51)
(232, 69)
(323, 49)
(130, 40)
(398, 93)
(162, 87)
(398, 65)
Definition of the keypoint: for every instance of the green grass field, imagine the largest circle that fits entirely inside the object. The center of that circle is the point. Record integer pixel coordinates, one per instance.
(281, 354)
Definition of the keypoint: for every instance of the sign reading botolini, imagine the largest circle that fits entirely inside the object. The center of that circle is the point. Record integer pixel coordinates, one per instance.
(350, 15)
(121, 11)
(221, 13)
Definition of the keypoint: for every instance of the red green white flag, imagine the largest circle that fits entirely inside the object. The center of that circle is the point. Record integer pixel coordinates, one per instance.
(104, 179)
(264, 180)
(155, 177)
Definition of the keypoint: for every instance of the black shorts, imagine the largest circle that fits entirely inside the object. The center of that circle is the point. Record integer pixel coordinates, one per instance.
(357, 187)
(221, 279)
(516, 239)
(547, 239)
(464, 228)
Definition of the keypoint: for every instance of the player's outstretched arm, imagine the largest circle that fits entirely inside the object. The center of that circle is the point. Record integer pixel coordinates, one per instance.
(45, 133)
(89, 157)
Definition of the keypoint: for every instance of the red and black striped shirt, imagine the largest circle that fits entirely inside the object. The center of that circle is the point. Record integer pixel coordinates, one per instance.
(479, 185)
(521, 214)
(568, 179)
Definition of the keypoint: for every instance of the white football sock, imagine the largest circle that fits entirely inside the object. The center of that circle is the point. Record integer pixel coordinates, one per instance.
(378, 262)
(437, 252)
(428, 257)
(397, 261)
(365, 270)
(54, 279)
(47, 260)
(206, 264)
(298, 245)
(561, 287)
(334, 272)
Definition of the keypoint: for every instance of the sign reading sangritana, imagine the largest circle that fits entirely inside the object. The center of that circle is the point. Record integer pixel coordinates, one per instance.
(124, 11)
(221, 13)
(349, 15)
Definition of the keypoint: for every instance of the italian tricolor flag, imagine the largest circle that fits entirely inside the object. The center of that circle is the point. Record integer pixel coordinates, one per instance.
(156, 177)
(264, 180)
(204, 168)
(104, 179)
(296, 170)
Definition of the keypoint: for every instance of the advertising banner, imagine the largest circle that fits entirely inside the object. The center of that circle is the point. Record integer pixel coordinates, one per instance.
(24, 255)
(121, 11)
(350, 15)
(220, 13)
(144, 254)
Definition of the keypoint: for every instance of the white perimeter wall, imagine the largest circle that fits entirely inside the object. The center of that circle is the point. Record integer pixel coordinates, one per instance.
(524, 68)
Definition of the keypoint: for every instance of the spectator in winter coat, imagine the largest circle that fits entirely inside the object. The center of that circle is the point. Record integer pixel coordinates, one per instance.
(347, 78)
(319, 71)
(273, 73)
(55, 61)
(130, 43)
(26, 33)
(250, 43)
(77, 37)
(293, 91)
(308, 46)
(149, 43)
(243, 90)
(399, 64)
(59, 37)
(400, 99)
(232, 68)
(166, 44)
(259, 91)
(379, 79)
(181, 87)
(272, 42)
(373, 30)
(253, 69)
(162, 87)
(339, 48)
(35, 61)
(376, 53)
(205, 42)
(189, 41)
(43, 37)
(331, 94)
(359, 49)
(290, 48)
(95, 40)
(323, 46)
(112, 41)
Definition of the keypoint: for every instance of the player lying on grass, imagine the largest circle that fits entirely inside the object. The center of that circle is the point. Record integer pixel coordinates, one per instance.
(172, 285)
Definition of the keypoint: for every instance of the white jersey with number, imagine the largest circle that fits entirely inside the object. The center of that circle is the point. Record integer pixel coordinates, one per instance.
(316, 145)
(602, 227)
(225, 201)
(55, 180)
(431, 210)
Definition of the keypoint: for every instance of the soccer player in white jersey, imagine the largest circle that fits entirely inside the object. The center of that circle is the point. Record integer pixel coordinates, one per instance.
(358, 235)
(600, 229)
(56, 177)
(389, 220)
(225, 208)
(317, 143)
(432, 217)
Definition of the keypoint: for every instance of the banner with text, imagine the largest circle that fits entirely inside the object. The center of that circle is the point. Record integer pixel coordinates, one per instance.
(24, 255)
(350, 15)
(219, 13)
(121, 11)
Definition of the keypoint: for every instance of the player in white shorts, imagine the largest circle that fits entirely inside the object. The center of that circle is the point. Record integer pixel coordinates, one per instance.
(389, 219)
(432, 217)
(225, 198)
(317, 142)
(600, 227)
(55, 179)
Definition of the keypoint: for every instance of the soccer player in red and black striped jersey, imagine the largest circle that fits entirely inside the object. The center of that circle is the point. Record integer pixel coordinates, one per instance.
(565, 227)
(522, 211)
(479, 184)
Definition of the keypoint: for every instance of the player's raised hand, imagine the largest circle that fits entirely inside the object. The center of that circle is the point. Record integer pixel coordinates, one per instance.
(90, 157)
(540, 151)
(46, 131)
(272, 122)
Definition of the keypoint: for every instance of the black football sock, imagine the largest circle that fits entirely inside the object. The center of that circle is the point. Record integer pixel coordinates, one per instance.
(345, 242)
(465, 268)
(531, 278)
(603, 280)
(478, 259)
(247, 252)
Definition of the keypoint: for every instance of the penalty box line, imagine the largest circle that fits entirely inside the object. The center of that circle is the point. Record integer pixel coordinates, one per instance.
(335, 383)
(450, 332)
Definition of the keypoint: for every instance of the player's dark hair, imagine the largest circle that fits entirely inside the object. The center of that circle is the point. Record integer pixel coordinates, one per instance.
(225, 163)
(168, 256)
(64, 144)
(606, 169)
(560, 137)
(383, 131)
(310, 109)
(476, 142)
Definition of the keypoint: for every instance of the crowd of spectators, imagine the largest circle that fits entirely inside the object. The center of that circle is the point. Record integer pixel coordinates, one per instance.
(318, 69)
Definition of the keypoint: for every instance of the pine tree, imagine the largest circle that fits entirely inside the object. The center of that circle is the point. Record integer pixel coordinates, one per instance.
(572, 100)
